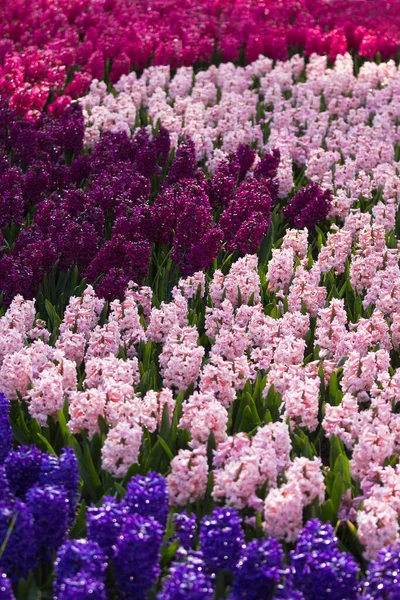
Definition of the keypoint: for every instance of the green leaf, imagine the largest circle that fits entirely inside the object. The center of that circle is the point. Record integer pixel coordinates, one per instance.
(165, 447)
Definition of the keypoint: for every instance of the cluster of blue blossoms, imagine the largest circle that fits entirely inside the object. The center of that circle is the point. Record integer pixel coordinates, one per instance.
(127, 540)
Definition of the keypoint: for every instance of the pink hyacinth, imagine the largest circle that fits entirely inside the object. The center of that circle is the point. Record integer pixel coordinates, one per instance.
(121, 448)
(203, 414)
(152, 408)
(188, 478)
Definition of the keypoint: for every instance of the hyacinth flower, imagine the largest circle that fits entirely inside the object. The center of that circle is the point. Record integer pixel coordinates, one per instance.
(80, 571)
(319, 568)
(20, 554)
(309, 206)
(147, 496)
(382, 578)
(187, 578)
(221, 539)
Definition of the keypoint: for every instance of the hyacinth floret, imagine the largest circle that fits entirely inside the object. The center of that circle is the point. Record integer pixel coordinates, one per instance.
(187, 579)
(77, 559)
(49, 506)
(222, 539)
(185, 529)
(259, 569)
(136, 556)
(62, 471)
(22, 467)
(309, 206)
(382, 581)
(20, 552)
(147, 496)
(320, 569)
(104, 524)
(5, 428)
(6, 591)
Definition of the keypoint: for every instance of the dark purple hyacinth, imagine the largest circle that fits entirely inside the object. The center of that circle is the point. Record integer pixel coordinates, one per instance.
(6, 592)
(20, 552)
(4, 487)
(309, 206)
(320, 570)
(185, 529)
(50, 509)
(222, 539)
(137, 555)
(78, 560)
(187, 580)
(382, 581)
(184, 164)
(22, 467)
(247, 218)
(6, 436)
(147, 496)
(104, 524)
(259, 570)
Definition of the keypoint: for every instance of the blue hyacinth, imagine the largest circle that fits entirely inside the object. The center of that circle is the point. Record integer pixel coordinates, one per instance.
(187, 580)
(147, 496)
(104, 524)
(222, 539)
(78, 559)
(259, 569)
(137, 554)
(382, 581)
(50, 508)
(320, 570)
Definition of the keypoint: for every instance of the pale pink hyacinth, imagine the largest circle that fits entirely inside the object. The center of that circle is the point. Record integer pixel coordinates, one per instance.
(104, 341)
(82, 312)
(223, 377)
(309, 477)
(188, 479)
(290, 350)
(126, 316)
(73, 345)
(121, 448)
(20, 368)
(331, 331)
(280, 269)
(15, 326)
(152, 408)
(336, 251)
(360, 372)
(283, 512)
(300, 402)
(165, 318)
(242, 282)
(377, 526)
(181, 357)
(297, 240)
(85, 408)
(110, 368)
(202, 415)
(219, 318)
(342, 420)
(190, 286)
(231, 344)
(305, 289)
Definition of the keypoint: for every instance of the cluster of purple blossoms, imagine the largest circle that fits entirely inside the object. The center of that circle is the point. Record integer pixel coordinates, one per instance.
(309, 206)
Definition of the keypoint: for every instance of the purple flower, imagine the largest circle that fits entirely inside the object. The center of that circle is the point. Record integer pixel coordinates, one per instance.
(22, 467)
(147, 496)
(62, 472)
(4, 487)
(185, 529)
(6, 592)
(320, 570)
(6, 437)
(81, 587)
(222, 539)
(382, 580)
(259, 569)
(137, 553)
(184, 164)
(247, 218)
(245, 157)
(78, 560)
(309, 206)
(187, 580)
(20, 552)
(163, 146)
(104, 524)
(50, 509)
